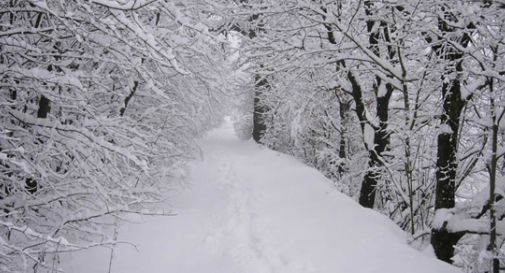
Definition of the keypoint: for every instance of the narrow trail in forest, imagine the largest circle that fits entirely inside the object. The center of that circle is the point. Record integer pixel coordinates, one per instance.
(248, 209)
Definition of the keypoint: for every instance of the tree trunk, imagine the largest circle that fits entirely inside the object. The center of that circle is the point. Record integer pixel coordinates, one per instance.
(443, 241)
(381, 135)
(44, 107)
(344, 107)
(496, 119)
(260, 85)
(493, 248)
(259, 125)
(381, 143)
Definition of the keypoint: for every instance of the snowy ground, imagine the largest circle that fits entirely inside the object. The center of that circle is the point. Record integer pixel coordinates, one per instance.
(246, 209)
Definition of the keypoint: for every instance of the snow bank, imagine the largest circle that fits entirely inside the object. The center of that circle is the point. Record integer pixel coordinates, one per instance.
(247, 209)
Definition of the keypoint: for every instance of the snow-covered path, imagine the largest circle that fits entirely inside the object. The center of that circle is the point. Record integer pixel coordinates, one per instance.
(246, 209)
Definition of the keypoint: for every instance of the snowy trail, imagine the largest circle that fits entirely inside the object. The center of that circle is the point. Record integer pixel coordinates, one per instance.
(250, 210)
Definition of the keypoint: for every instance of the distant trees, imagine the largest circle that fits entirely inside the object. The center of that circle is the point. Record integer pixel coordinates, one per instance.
(99, 104)
(392, 94)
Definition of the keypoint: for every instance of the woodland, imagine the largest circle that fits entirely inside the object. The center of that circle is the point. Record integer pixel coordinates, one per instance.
(399, 102)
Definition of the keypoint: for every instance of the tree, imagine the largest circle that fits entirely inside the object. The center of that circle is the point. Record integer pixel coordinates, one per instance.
(100, 103)
(251, 26)
(453, 104)
(479, 57)
(406, 71)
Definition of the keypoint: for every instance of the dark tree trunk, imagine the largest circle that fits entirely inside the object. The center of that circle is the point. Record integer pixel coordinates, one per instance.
(381, 143)
(443, 241)
(345, 106)
(381, 139)
(44, 107)
(381, 135)
(259, 125)
(260, 85)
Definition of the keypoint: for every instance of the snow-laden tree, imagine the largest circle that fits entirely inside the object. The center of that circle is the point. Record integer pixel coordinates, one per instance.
(405, 81)
(479, 70)
(313, 49)
(100, 102)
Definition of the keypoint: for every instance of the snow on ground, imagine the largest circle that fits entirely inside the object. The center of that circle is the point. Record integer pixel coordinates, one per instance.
(247, 209)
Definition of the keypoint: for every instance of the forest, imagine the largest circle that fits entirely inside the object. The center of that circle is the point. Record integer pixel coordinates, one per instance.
(400, 103)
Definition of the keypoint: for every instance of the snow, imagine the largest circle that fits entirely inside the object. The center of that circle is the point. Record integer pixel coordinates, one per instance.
(445, 129)
(247, 209)
(382, 91)
(368, 135)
